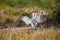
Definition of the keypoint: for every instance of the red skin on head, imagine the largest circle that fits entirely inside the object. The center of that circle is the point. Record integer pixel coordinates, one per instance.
(33, 11)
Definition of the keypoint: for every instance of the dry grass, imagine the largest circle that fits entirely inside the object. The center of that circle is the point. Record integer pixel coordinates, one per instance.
(23, 34)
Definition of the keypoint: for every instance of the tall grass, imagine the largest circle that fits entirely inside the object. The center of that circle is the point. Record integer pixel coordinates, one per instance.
(22, 34)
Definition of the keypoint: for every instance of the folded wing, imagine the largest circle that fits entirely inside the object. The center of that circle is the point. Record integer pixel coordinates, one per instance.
(41, 18)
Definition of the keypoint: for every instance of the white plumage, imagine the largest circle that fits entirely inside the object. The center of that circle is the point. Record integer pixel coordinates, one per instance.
(26, 19)
(34, 20)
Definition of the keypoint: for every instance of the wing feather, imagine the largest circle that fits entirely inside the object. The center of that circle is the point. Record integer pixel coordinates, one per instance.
(26, 19)
(41, 18)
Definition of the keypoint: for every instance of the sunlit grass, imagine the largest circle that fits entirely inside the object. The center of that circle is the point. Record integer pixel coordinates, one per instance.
(21, 34)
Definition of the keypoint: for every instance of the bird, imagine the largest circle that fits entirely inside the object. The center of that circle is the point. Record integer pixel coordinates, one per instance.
(33, 22)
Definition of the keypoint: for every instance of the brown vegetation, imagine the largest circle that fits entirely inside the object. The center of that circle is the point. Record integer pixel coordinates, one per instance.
(23, 34)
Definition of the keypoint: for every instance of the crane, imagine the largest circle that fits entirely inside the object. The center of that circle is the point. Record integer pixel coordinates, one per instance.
(33, 22)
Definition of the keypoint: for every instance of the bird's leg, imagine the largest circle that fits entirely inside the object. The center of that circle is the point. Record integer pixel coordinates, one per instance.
(32, 25)
(35, 25)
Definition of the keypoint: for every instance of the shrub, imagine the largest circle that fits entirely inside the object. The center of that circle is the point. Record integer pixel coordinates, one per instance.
(9, 20)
